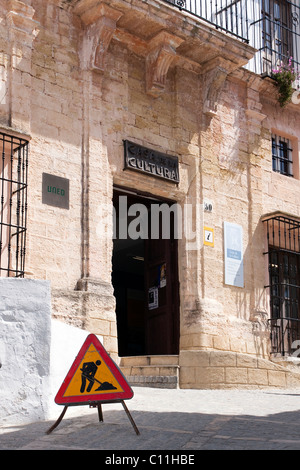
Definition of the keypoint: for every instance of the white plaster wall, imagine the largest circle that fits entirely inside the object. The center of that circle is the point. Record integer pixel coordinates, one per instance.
(36, 352)
(66, 342)
(25, 329)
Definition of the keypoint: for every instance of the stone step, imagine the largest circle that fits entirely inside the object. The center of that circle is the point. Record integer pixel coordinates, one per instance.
(155, 381)
(151, 371)
(149, 360)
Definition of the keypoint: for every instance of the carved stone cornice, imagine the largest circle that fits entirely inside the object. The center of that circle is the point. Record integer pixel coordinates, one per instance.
(100, 23)
(214, 74)
(161, 54)
(213, 84)
(253, 102)
(20, 18)
(254, 115)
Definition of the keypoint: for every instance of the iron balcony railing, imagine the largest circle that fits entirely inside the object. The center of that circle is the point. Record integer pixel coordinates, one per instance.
(228, 16)
(270, 26)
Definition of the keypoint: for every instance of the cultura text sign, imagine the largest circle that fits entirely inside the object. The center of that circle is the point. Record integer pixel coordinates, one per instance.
(151, 162)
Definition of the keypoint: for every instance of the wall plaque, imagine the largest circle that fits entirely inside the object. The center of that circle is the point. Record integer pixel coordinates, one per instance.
(233, 253)
(55, 191)
(151, 162)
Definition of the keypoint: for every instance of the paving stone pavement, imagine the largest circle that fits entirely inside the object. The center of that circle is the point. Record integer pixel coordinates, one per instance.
(184, 421)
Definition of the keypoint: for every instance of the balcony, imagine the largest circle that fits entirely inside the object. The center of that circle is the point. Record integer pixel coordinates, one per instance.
(164, 37)
(270, 26)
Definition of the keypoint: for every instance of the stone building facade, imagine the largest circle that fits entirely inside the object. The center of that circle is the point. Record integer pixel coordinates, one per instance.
(112, 107)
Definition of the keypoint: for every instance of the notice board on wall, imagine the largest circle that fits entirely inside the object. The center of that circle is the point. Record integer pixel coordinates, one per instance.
(233, 255)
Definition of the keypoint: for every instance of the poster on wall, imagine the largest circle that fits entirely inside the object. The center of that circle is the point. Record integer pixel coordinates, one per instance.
(162, 276)
(233, 254)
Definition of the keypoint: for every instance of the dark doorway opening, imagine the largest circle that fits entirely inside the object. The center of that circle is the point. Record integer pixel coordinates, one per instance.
(145, 279)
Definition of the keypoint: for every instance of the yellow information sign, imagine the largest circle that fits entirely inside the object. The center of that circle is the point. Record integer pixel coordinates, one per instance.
(209, 239)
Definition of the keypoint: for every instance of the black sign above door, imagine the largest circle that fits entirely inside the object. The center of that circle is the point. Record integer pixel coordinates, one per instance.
(151, 162)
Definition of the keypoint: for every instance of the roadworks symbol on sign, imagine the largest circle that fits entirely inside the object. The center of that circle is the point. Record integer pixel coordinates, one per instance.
(94, 376)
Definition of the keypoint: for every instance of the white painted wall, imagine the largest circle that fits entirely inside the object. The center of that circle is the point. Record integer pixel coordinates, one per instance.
(66, 342)
(25, 328)
(36, 352)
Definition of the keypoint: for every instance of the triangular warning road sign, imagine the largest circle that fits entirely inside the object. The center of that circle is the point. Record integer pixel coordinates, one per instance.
(93, 377)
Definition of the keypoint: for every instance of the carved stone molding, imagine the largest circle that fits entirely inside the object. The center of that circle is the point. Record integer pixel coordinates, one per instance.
(162, 53)
(100, 23)
(254, 115)
(20, 18)
(214, 73)
(254, 105)
(214, 81)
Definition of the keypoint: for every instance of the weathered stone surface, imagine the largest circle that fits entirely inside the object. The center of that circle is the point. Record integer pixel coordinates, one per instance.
(74, 76)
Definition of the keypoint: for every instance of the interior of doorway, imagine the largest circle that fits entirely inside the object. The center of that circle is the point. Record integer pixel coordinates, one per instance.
(129, 278)
(128, 281)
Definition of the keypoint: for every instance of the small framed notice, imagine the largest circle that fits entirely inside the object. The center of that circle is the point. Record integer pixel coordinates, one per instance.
(153, 298)
(233, 254)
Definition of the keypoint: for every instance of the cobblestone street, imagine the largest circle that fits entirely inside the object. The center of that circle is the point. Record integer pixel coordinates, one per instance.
(172, 420)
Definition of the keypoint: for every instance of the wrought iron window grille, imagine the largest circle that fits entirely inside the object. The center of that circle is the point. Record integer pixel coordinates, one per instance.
(283, 236)
(282, 155)
(13, 205)
(280, 38)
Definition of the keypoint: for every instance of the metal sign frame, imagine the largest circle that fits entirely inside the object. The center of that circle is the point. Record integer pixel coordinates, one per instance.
(150, 162)
(94, 399)
(127, 393)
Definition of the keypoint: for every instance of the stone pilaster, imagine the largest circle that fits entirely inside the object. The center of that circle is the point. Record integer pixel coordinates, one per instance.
(22, 30)
(94, 287)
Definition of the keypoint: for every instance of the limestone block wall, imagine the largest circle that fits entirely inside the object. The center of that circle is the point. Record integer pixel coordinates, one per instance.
(78, 102)
(54, 241)
(49, 97)
(213, 370)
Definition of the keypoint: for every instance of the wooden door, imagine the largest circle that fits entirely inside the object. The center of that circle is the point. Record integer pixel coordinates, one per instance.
(162, 291)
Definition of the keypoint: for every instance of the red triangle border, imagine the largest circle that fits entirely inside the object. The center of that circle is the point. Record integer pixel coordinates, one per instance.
(105, 397)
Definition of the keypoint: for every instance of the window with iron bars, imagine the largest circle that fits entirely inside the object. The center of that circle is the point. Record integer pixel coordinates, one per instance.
(279, 41)
(283, 236)
(13, 205)
(282, 155)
